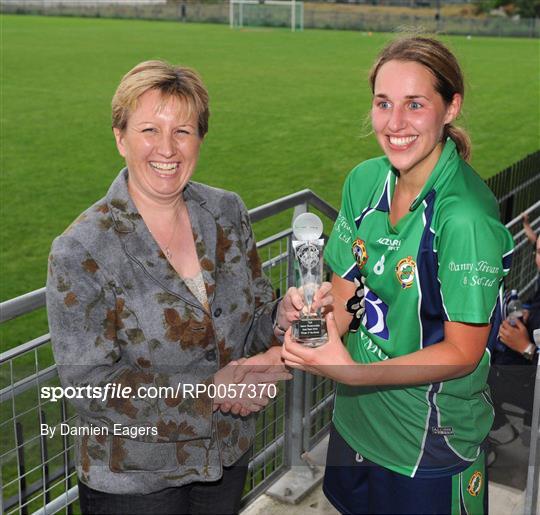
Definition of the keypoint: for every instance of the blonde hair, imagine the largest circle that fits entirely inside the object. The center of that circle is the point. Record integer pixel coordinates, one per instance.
(177, 82)
(444, 67)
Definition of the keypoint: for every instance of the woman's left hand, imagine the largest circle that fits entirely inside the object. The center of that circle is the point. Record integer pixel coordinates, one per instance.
(330, 360)
(292, 304)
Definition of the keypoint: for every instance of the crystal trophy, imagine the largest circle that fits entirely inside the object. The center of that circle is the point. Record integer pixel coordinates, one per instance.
(310, 329)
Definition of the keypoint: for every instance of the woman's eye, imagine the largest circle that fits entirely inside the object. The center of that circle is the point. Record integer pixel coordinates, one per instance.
(415, 105)
(149, 130)
(182, 132)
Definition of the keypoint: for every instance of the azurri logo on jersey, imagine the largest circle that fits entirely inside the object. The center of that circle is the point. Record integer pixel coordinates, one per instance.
(375, 316)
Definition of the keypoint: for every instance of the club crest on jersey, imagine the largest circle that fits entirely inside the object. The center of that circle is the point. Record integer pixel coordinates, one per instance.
(475, 484)
(405, 272)
(360, 253)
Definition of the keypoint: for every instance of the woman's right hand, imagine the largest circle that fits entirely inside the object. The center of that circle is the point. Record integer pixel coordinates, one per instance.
(251, 394)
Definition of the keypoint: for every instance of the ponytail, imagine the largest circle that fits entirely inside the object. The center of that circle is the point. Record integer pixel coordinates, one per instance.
(462, 140)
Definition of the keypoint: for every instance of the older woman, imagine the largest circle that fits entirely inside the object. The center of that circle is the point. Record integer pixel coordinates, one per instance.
(159, 285)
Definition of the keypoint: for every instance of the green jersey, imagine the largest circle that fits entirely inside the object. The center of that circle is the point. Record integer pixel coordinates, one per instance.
(443, 261)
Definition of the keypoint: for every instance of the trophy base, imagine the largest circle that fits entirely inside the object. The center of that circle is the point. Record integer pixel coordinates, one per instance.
(310, 331)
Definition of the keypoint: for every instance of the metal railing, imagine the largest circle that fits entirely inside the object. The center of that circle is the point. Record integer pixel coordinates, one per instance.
(517, 187)
(38, 472)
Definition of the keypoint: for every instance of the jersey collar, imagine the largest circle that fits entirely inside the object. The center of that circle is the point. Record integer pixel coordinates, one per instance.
(443, 168)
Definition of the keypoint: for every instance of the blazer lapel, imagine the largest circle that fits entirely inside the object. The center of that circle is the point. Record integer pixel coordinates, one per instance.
(139, 244)
(203, 223)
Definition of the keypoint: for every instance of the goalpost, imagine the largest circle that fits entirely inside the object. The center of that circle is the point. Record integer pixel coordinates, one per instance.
(266, 12)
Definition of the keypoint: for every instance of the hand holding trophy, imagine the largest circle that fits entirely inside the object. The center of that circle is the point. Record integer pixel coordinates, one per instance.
(310, 329)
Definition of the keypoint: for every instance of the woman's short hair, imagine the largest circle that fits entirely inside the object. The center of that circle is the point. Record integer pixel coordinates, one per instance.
(444, 67)
(178, 82)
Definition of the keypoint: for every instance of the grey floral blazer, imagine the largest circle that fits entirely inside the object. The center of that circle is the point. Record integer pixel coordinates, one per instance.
(119, 313)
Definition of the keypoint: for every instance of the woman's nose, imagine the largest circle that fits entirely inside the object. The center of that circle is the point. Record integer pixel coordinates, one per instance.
(398, 120)
(166, 146)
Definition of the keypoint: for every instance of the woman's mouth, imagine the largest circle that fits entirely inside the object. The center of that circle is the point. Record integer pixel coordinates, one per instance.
(401, 142)
(166, 169)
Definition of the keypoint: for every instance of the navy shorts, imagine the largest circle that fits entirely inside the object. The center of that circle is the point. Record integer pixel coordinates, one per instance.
(353, 484)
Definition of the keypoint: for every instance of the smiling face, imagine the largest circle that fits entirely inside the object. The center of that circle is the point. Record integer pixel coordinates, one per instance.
(408, 116)
(160, 145)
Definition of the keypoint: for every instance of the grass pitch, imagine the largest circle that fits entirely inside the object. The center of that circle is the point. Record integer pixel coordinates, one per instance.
(287, 113)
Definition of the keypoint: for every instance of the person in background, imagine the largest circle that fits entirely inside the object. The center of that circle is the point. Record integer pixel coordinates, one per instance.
(513, 372)
(159, 284)
(529, 231)
(421, 229)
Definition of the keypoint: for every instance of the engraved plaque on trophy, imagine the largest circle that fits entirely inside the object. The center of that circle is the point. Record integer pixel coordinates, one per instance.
(310, 329)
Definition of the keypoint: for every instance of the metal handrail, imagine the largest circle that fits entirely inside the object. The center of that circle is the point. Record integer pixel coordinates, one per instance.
(519, 188)
(21, 305)
(305, 196)
(24, 347)
(28, 382)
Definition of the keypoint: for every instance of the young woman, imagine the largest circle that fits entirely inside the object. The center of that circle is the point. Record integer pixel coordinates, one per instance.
(421, 231)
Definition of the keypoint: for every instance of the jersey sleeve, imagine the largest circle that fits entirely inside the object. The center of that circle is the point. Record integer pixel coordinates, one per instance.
(338, 253)
(474, 255)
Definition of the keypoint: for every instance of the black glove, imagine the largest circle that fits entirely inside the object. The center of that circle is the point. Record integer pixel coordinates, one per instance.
(355, 305)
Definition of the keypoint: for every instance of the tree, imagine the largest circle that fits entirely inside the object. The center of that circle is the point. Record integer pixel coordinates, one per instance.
(525, 8)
